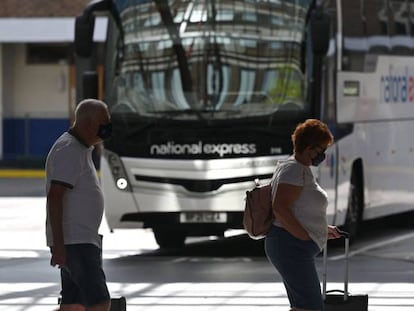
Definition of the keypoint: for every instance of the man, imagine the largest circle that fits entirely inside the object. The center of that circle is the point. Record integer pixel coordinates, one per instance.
(75, 210)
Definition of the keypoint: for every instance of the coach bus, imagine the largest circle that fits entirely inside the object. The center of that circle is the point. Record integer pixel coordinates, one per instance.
(204, 96)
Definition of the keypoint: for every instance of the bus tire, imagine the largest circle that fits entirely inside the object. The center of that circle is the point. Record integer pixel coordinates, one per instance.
(169, 238)
(355, 204)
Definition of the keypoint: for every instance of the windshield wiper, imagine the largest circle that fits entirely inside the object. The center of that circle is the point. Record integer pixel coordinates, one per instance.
(164, 9)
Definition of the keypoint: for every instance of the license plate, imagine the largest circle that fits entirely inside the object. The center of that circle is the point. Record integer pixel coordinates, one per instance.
(203, 217)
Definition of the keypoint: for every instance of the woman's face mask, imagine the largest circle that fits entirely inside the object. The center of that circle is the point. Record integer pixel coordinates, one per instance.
(319, 158)
(320, 155)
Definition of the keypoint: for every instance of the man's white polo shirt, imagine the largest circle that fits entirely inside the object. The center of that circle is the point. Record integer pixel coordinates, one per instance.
(70, 164)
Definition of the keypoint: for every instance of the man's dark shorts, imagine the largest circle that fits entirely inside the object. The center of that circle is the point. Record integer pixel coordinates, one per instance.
(83, 279)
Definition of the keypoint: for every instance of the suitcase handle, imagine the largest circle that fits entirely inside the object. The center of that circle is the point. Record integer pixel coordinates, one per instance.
(346, 236)
(335, 291)
(343, 233)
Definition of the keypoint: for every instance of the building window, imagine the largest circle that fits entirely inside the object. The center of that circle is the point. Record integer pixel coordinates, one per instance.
(47, 53)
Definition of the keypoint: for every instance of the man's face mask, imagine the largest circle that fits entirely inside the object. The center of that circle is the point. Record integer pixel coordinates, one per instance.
(319, 158)
(105, 131)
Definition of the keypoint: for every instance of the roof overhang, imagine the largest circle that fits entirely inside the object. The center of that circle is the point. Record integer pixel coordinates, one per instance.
(42, 30)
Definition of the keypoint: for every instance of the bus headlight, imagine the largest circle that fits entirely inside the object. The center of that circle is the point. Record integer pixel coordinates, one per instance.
(117, 170)
(122, 183)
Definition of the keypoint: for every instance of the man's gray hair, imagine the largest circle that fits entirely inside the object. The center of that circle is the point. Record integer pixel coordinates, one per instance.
(88, 109)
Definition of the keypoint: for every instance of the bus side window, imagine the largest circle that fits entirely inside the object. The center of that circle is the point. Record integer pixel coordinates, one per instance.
(354, 39)
(378, 26)
(400, 12)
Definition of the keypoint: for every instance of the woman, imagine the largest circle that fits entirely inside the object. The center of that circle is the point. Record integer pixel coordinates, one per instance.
(300, 229)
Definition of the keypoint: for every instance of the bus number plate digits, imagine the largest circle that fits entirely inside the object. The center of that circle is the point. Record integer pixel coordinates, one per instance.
(203, 217)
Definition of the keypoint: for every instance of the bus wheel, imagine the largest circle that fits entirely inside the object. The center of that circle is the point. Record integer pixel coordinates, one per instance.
(355, 203)
(169, 238)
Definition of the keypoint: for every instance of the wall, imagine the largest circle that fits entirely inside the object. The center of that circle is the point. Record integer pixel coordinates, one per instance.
(35, 104)
(1, 101)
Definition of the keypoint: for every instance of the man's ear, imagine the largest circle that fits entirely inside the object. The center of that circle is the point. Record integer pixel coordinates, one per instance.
(91, 127)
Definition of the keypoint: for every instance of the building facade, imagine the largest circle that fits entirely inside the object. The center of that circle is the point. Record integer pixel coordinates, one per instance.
(37, 76)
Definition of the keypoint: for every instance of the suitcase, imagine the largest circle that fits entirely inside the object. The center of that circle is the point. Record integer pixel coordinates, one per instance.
(118, 304)
(341, 300)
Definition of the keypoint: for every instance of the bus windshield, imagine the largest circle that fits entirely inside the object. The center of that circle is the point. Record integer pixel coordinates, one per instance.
(219, 59)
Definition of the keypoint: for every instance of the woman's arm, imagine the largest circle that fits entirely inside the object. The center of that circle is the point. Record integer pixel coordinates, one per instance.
(286, 194)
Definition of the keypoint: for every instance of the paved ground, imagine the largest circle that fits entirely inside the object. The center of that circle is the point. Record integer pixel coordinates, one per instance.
(202, 277)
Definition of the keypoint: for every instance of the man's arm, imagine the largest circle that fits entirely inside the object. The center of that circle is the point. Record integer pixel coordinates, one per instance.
(55, 210)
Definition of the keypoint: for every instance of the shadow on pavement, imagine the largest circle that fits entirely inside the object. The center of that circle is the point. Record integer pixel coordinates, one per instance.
(235, 246)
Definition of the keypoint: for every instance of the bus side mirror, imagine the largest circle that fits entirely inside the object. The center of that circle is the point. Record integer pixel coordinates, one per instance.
(85, 25)
(84, 28)
(90, 84)
(320, 31)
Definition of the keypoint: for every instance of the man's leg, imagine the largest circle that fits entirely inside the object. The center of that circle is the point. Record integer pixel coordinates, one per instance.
(92, 282)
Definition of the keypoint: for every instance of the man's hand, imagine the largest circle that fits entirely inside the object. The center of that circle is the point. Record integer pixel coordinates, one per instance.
(58, 256)
(55, 210)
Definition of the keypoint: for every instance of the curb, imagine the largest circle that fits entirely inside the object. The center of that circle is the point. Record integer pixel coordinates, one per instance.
(16, 173)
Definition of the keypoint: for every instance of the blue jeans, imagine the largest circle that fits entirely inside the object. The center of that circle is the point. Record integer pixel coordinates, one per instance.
(295, 261)
(83, 279)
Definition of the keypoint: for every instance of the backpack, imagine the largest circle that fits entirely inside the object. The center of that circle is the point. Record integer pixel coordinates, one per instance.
(258, 213)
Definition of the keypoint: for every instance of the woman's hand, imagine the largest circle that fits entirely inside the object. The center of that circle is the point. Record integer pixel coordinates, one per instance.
(333, 233)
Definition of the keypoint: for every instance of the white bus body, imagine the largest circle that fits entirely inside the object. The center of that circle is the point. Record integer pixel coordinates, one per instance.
(204, 98)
